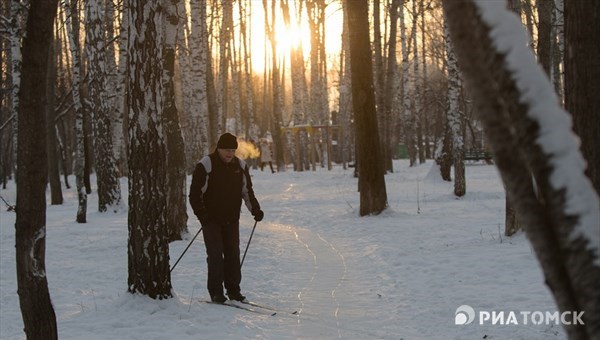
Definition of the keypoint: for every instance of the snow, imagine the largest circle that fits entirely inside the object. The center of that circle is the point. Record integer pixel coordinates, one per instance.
(399, 275)
(555, 136)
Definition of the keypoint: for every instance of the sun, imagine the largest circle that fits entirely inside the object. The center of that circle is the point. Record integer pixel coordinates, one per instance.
(290, 38)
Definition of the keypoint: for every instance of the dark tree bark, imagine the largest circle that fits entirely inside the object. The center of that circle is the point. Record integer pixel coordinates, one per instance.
(56, 196)
(176, 212)
(38, 314)
(373, 196)
(545, 34)
(148, 247)
(582, 78)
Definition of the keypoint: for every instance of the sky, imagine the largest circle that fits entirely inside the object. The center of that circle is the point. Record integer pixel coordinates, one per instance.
(400, 275)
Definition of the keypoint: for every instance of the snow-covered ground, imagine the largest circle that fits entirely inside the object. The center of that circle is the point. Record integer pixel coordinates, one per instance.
(399, 275)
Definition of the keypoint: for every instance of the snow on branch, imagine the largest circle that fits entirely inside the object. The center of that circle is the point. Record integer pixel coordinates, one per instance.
(556, 138)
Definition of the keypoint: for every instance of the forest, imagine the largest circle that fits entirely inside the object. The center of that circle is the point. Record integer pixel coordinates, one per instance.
(143, 89)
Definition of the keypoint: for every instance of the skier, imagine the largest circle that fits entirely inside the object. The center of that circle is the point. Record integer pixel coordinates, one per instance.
(219, 183)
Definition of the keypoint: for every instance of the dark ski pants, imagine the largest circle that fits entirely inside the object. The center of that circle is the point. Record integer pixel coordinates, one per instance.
(222, 241)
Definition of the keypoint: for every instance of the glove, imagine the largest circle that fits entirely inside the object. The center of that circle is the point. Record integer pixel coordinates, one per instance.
(203, 217)
(258, 215)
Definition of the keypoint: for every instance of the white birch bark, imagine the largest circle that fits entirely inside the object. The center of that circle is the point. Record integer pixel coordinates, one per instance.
(79, 161)
(118, 131)
(418, 145)
(345, 104)
(454, 117)
(109, 189)
(114, 77)
(222, 88)
(198, 42)
(406, 85)
(18, 16)
(148, 248)
(235, 89)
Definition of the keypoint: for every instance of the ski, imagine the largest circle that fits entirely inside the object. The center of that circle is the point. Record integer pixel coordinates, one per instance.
(254, 304)
(233, 304)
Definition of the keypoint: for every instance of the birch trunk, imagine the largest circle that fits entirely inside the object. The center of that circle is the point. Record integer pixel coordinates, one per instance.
(71, 12)
(109, 188)
(176, 210)
(16, 35)
(455, 119)
(198, 42)
(345, 105)
(224, 61)
(148, 247)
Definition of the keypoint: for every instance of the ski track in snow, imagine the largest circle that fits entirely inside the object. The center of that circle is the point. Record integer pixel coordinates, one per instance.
(399, 275)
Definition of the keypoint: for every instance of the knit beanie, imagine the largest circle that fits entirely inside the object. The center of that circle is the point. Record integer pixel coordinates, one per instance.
(227, 141)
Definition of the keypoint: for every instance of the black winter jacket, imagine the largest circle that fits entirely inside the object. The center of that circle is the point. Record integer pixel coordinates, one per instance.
(218, 188)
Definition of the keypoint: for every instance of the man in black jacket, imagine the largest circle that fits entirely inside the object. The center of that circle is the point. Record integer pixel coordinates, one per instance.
(219, 183)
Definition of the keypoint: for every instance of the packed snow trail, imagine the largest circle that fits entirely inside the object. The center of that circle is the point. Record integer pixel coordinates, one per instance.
(399, 275)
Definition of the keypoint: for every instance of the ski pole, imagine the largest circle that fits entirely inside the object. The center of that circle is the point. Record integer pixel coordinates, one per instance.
(186, 248)
(248, 245)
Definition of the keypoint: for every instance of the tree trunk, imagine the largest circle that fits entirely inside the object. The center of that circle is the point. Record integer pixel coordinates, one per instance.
(71, 11)
(390, 88)
(148, 247)
(198, 138)
(19, 16)
(373, 196)
(455, 120)
(176, 213)
(582, 78)
(533, 136)
(108, 186)
(225, 38)
(38, 314)
(56, 197)
(545, 34)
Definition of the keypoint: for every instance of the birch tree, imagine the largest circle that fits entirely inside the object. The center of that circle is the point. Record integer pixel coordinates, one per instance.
(298, 82)
(418, 128)
(455, 119)
(373, 196)
(18, 16)
(198, 133)
(176, 210)
(345, 104)
(108, 186)
(529, 133)
(39, 319)
(148, 247)
(248, 92)
(406, 91)
(225, 37)
(118, 103)
(71, 12)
